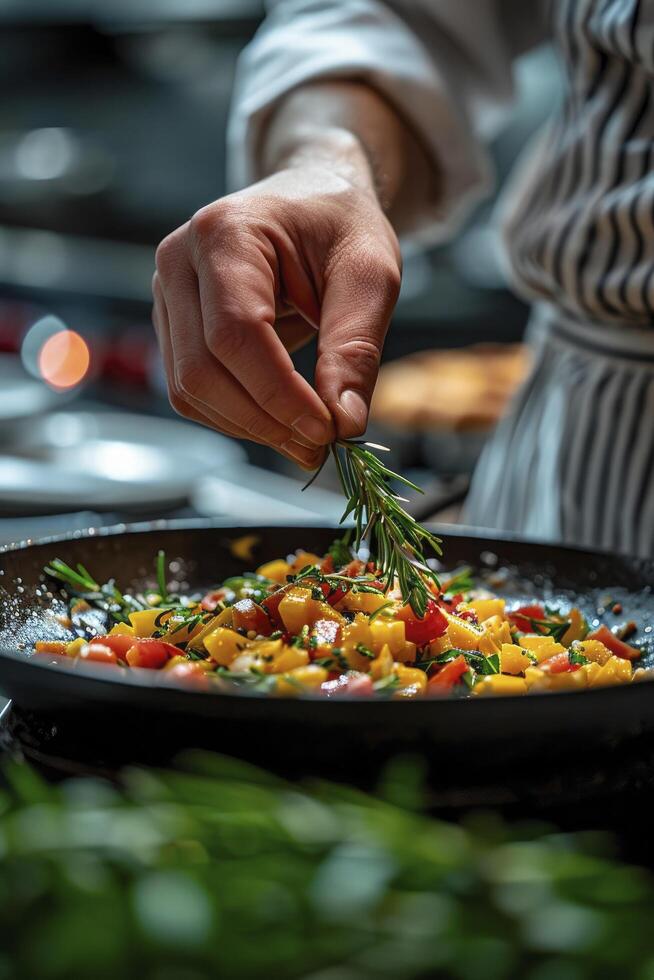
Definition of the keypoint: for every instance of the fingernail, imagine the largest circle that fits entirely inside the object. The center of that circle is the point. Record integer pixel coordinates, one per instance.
(307, 458)
(356, 409)
(313, 429)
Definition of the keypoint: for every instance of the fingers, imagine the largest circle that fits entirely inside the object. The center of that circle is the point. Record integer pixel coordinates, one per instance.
(294, 331)
(185, 402)
(236, 278)
(358, 300)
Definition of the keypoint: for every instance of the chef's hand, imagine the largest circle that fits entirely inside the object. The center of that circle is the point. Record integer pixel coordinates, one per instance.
(255, 274)
(260, 271)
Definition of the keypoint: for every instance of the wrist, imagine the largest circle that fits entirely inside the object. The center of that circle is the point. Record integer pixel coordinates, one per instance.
(334, 148)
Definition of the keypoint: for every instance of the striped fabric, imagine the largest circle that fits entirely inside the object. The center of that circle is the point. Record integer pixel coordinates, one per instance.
(581, 228)
(574, 459)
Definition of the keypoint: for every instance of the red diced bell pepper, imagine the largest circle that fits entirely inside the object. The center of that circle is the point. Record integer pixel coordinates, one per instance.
(353, 684)
(211, 599)
(420, 631)
(248, 615)
(271, 606)
(615, 644)
(150, 653)
(559, 664)
(522, 616)
(449, 675)
(98, 653)
(120, 643)
(189, 675)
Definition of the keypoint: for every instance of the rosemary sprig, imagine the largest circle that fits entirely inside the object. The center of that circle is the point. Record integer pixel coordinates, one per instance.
(397, 541)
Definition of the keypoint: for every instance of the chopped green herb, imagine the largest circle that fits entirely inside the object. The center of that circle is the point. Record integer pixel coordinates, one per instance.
(340, 551)
(379, 611)
(461, 582)
(575, 655)
(365, 651)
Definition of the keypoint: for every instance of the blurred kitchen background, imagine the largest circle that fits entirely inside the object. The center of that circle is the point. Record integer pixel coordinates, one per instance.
(112, 123)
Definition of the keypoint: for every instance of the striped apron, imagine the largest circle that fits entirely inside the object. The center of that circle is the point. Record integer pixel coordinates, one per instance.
(573, 460)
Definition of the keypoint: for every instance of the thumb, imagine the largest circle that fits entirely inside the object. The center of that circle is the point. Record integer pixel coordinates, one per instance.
(359, 296)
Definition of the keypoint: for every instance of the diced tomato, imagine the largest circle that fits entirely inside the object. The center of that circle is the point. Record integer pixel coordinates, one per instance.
(190, 675)
(614, 643)
(353, 568)
(248, 615)
(271, 605)
(353, 684)
(421, 631)
(332, 596)
(327, 565)
(455, 600)
(559, 664)
(150, 653)
(467, 614)
(119, 643)
(98, 653)
(211, 599)
(522, 616)
(449, 674)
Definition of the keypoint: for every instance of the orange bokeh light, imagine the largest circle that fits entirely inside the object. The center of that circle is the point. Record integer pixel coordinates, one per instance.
(64, 359)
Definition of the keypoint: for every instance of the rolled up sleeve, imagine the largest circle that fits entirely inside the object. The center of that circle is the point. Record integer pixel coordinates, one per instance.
(445, 66)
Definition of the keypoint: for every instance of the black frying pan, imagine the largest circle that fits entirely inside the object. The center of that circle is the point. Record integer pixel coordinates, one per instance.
(503, 743)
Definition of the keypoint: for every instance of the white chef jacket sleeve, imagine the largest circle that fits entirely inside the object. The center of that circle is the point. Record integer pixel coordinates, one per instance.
(445, 65)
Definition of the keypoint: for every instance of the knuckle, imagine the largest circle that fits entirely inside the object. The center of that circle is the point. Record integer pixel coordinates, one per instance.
(268, 396)
(202, 224)
(214, 224)
(167, 253)
(230, 341)
(357, 356)
(262, 427)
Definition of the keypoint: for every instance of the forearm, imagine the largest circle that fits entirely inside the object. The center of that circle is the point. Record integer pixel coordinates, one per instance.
(349, 128)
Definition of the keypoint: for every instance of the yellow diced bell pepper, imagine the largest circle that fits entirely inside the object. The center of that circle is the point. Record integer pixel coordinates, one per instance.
(513, 660)
(304, 558)
(536, 679)
(301, 680)
(389, 632)
(412, 682)
(122, 629)
(276, 570)
(298, 609)
(289, 659)
(356, 633)
(542, 647)
(382, 665)
(73, 648)
(487, 608)
(594, 650)
(577, 629)
(569, 680)
(463, 635)
(500, 684)
(223, 645)
(365, 602)
(495, 632)
(143, 621)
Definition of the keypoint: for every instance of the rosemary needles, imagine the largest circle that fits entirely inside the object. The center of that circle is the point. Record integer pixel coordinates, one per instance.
(397, 542)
